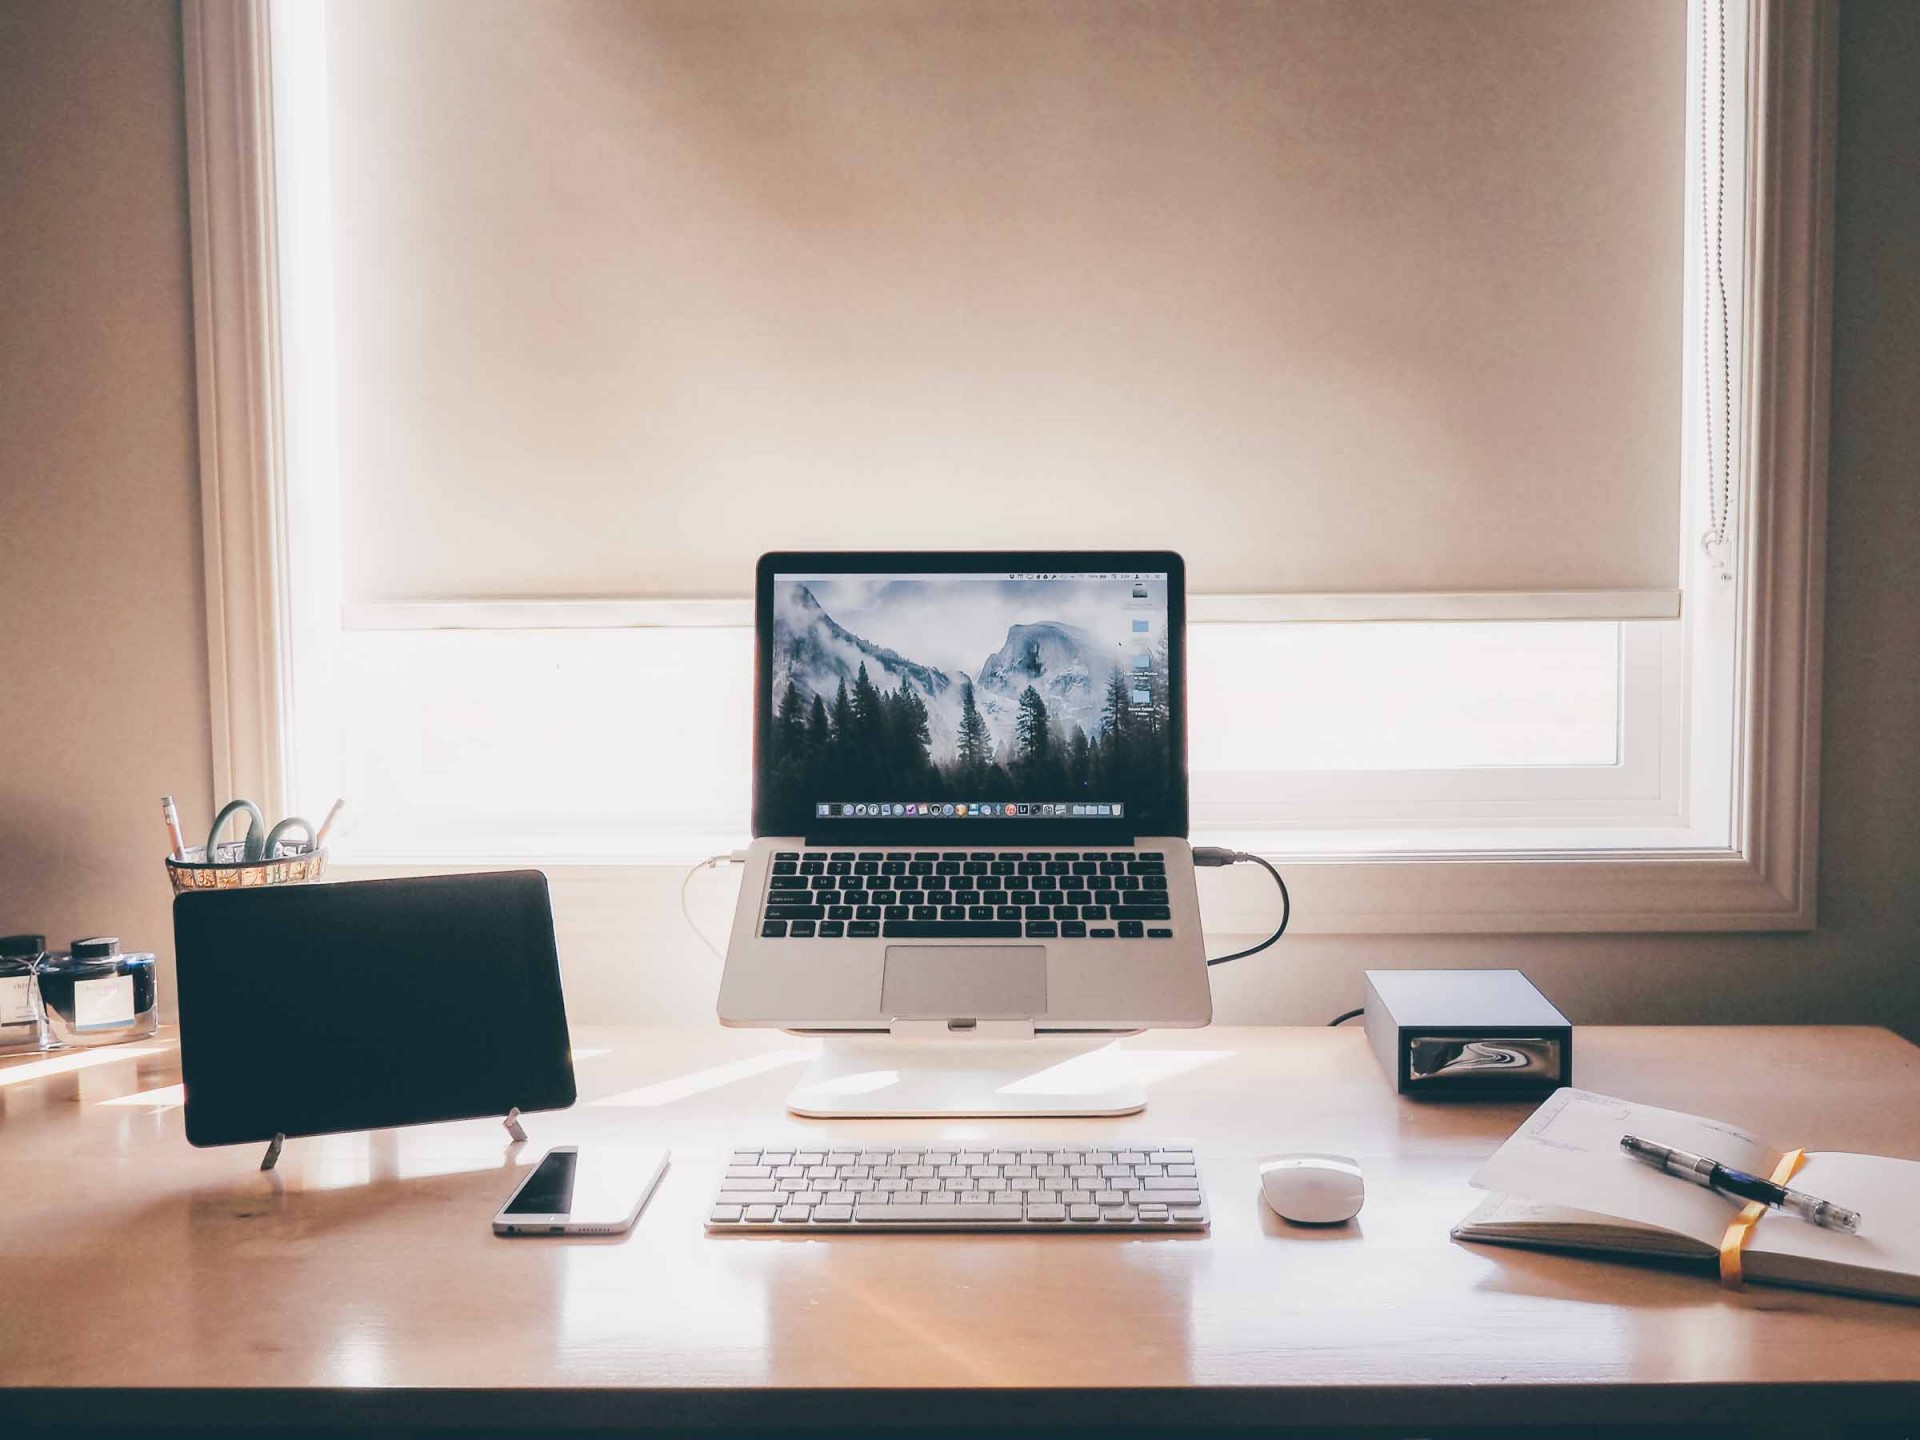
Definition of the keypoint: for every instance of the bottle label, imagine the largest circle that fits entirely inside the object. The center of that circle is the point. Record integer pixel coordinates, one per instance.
(16, 1000)
(98, 1004)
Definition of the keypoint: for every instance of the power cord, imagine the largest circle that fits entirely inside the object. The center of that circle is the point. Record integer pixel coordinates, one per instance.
(1212, 857)
(736, 857)
(1345, 1016)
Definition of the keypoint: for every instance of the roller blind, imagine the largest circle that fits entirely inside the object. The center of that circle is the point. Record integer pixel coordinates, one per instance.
(1369, 296)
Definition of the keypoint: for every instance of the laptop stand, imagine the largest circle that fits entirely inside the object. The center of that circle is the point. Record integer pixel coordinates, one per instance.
(988, 1068)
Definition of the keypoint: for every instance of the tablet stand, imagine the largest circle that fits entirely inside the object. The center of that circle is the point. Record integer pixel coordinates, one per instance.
(927, 1068)
(279, 1141)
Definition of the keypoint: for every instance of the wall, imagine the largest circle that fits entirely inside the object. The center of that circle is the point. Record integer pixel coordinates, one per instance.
(102, 643)
(1862, 965)
(106, 695)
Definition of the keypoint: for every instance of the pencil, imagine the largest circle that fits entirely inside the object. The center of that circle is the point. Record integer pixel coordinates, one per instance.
(172, 816)
(320, 835)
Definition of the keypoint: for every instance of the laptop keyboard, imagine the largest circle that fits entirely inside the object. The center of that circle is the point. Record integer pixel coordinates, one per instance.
(946, 1186)
(967, 895)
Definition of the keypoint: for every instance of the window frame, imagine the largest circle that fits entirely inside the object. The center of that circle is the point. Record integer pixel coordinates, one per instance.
(258, 598)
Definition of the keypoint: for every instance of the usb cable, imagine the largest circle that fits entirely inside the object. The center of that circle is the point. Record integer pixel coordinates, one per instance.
(1212, 857)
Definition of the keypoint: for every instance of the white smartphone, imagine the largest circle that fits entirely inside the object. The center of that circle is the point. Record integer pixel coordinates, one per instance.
(582, 1192)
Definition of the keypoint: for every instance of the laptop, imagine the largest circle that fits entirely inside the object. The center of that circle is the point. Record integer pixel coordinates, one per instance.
(969, 795)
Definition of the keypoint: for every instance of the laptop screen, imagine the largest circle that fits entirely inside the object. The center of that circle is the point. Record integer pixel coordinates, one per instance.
(1034, 699)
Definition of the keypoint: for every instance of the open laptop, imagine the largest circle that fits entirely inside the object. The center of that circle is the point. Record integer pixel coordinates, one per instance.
(970, 795)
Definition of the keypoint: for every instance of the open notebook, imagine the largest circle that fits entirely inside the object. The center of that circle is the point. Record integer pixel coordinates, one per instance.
(1563, 1182)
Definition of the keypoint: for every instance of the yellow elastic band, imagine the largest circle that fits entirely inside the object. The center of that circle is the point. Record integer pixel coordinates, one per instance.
(1741, 1229)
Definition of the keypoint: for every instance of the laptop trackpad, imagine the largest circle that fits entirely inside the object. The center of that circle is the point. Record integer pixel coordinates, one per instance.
(965, 982)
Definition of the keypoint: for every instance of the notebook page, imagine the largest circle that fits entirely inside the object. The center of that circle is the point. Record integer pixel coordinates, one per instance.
(1568, 1153)
(1886, 1192)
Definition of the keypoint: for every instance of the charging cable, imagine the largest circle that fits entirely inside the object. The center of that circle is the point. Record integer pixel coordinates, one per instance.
(1211, 857)
(735, 857)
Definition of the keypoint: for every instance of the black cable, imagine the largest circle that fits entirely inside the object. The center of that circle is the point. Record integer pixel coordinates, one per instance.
(1345, 1016)
(1213, 856)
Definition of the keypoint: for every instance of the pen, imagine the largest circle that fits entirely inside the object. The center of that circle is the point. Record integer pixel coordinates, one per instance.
(173, 827)
(1737, 1183)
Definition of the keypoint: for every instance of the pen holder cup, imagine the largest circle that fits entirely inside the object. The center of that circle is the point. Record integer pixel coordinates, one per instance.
(197, 873)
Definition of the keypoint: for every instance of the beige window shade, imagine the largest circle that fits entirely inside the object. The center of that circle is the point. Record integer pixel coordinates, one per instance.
(1354, 297)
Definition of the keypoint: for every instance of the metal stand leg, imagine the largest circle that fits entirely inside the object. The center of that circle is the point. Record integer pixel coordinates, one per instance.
(512, 1122)
(272, 1157)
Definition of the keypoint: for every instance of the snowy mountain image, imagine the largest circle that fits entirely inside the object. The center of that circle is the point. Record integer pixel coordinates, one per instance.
(1060, 662)
(967, 687)
(815, 653)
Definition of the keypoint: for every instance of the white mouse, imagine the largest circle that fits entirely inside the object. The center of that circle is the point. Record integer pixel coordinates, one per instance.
(1313, 1189)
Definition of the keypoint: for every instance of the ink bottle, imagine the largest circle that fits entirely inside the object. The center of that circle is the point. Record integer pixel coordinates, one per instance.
(23, 1022)
(95, 995)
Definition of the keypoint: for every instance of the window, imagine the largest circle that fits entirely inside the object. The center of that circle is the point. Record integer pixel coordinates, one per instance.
(1573, 736)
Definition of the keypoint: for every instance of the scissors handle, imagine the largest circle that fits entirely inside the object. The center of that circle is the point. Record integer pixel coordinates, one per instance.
(254, 845)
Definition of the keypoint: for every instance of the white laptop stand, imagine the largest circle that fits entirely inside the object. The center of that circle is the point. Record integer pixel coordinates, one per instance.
(928, 1068)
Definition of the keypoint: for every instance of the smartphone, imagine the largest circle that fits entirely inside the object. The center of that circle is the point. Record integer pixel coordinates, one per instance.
(600, 1191)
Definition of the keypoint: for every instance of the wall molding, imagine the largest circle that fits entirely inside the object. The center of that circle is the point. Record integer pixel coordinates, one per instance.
(1765, 881)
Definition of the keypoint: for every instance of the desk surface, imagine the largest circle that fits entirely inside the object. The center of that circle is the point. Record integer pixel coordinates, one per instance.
(364, 1272)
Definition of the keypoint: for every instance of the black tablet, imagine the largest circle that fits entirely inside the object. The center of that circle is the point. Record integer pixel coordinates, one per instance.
(310, 1009)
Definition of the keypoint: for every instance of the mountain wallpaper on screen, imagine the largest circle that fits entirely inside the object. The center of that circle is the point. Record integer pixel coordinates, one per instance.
(1050, 715)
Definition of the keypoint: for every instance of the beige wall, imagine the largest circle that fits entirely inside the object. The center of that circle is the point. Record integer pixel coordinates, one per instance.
(102, 660)
(105, 699)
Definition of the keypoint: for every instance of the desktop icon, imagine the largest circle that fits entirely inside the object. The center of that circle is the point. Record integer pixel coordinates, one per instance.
(1142, 662)
(822, 810)
(960, 809)
(1142, 697)
(1140, 627)
(946, 809)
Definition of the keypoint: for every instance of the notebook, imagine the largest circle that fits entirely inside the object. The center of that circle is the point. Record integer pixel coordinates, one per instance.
(1562, 1182)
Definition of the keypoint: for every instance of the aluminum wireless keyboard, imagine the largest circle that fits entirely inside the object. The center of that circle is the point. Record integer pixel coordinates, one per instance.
(945, 1186)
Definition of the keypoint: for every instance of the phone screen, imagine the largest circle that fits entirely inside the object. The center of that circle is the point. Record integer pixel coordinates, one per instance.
(549, 1190)
(596, 1190)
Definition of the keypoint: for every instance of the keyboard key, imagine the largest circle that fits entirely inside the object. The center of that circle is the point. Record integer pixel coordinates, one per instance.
(1160, 934)
(839, 912)
(831, 929)
(1006, 912)
(832, 1214)
(863, 929)
(866, 912)
(1073, 930)
(933, 1214)
(1105, 932)
(744, 1196)
(774, 930)
(1141, 912)
(786, 854)
(795, 912)
(760, 1214)
(1083, 1212)
(1131, 930)
(1046, 1212)
(918, 929)
(1042, 930)
(787, 882)
(897, 912)
(725, 1214)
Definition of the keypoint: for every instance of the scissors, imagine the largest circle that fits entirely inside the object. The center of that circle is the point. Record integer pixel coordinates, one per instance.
(259, 843)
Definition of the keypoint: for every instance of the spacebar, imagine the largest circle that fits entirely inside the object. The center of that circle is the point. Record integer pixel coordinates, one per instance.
(909, 1214)
(950, 929)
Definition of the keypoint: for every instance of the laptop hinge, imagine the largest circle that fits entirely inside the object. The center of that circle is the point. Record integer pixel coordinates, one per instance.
(961, 1029)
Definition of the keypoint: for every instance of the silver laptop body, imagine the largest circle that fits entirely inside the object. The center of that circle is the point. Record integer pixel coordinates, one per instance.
(970, 796)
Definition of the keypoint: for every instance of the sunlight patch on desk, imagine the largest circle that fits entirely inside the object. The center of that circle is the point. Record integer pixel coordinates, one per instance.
(79, 1060)
(1095, 1071)
(681, 1087)
(166, 1097)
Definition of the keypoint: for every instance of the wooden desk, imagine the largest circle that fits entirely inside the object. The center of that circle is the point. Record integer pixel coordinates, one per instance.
(362, 1275)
